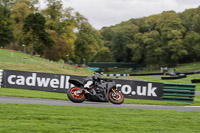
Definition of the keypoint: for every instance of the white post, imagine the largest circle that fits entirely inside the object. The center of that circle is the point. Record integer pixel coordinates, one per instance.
(11, 52)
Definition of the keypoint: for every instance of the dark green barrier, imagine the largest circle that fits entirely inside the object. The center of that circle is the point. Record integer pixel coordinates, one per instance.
(179, 92)
(113, 64)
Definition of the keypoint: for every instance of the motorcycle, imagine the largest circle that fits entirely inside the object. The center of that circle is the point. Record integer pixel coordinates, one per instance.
(101, 90)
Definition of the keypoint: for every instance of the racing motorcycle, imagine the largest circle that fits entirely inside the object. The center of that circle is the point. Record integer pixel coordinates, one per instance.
(94, 88)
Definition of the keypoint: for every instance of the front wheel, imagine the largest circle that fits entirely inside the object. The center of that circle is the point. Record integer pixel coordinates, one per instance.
(116, 97)
(76, 95)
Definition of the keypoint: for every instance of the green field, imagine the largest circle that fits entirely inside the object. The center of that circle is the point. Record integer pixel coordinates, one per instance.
(18, 118)
(23, 62)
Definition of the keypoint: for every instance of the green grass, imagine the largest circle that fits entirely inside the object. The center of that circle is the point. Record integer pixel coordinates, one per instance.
(37, 64)
(32, 94)
(63, 96)
(16, 118)
(182, 80)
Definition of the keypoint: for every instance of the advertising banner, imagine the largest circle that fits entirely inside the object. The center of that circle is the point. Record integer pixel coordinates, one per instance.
(59, 83)
(140, 89)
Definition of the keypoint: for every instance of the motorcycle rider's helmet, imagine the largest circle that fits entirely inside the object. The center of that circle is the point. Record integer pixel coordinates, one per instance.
(96, 76)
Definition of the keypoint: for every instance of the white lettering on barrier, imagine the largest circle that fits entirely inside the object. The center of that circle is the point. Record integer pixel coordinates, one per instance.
(10, 79)
(140, 90)
(67, 82)
(151, 90)
(33, 80)
(54, 83)
(126, 89)
(1, 77)
(43, 82)
(62, 78)
(20, 80)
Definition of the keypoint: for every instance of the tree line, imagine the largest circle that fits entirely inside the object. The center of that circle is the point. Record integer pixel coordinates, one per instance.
(56, 33)
(165, 39)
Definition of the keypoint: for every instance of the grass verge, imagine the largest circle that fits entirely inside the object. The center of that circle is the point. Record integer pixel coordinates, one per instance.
(18, 118)
(62, 96)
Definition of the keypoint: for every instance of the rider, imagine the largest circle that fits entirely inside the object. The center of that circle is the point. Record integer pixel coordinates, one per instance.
(91, 79)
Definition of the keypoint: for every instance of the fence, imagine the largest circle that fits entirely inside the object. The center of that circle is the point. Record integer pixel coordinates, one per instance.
(27, 60)
(20, 58)
(179, 92)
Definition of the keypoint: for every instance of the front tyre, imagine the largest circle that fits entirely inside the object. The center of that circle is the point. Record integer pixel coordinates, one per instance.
(76, 95)
(116, 97)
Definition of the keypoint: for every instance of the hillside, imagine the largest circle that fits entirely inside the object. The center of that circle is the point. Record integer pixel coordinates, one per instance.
(159, 40)
(23, 62)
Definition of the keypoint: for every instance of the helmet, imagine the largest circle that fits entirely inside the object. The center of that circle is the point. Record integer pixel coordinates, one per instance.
(96, 76)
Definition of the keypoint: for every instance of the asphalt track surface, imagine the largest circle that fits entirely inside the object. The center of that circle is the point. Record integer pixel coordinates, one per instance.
(20, 100)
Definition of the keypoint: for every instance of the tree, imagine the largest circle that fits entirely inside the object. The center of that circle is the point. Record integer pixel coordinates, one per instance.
(68, 25)
(6, 34)
(190, 19)
(60, 50)
(192, 44)
(147, 49)
(107, 35)
(53, 13)
(63, 21)
(34, 29)
(87, 44)
(171, 31)
(103, 55)
(154, 51)
(121, 39)
(20, 9)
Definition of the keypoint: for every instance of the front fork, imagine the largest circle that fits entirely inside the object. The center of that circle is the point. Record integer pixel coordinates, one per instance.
(114, 94)
(113, 90)
(106, 93)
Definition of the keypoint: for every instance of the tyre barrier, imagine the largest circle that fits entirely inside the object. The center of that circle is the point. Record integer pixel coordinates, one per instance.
(179, 92)
(1, 77)
(116, 75)
(177, 73)
(190, 73)
(195, 80)
(174, 77)
(146, 74)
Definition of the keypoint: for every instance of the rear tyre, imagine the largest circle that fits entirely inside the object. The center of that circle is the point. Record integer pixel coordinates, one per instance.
(116, 97)
(75, 95)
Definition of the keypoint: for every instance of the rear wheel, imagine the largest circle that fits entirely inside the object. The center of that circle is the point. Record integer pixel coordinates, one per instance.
(116, 97)
(76, 95)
